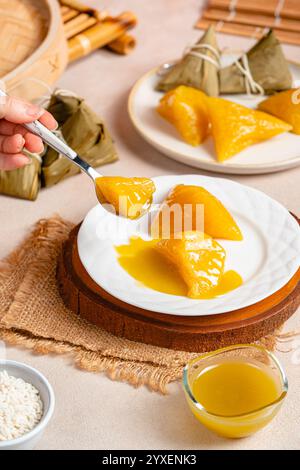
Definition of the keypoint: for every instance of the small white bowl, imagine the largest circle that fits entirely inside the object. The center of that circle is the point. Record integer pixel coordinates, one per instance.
(29, 440)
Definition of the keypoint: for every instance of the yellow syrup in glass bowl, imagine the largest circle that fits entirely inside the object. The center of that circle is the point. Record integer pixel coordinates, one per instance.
(235, 391)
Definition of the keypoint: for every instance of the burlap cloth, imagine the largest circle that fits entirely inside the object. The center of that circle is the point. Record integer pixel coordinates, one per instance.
(33, 315)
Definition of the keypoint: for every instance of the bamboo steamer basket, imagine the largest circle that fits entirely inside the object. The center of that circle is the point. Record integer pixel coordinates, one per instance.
(33, 48)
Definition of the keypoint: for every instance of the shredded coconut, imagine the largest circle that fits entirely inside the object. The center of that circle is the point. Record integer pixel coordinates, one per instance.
(21, 407)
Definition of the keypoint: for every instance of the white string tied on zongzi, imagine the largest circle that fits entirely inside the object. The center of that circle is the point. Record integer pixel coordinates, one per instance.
(194, 50)
(252, 87)
(58, 91)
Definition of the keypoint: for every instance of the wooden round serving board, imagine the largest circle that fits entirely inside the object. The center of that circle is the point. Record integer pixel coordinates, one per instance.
(197, 334)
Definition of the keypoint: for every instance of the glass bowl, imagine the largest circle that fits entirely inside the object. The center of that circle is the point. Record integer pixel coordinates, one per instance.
(241, 425)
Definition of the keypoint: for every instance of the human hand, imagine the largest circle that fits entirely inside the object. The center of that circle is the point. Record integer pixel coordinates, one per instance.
(13, 135)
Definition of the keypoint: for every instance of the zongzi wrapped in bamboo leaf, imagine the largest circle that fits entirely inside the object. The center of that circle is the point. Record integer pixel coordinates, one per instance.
(24, 182)
(84, 131)
(264, 70)
(198, 68)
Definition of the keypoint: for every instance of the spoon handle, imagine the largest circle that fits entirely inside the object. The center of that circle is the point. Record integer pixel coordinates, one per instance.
(59, 145)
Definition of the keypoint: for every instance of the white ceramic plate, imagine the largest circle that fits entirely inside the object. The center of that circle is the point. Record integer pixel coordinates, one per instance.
(279, 153)
(266, 259)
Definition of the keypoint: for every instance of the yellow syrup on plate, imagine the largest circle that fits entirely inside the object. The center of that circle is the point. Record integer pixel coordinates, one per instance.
(144, 263)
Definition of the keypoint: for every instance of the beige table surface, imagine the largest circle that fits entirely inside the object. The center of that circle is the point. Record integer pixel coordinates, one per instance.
(92, 412)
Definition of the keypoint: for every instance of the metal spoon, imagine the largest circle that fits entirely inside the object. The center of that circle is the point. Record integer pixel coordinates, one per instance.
(51, 139)
(60, 146)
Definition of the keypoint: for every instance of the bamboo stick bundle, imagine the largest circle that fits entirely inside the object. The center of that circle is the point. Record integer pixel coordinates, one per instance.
(87, 29)
(99, 35)
(289, 37)
(78, 7)
(123, 44)
(284, 9)
(249, 18)
(78, 17)
(253, 17)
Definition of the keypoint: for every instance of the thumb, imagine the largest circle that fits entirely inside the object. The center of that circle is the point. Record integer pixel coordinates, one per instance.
(18, 111)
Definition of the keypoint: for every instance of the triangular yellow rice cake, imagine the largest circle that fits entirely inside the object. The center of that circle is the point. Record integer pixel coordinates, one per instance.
(194, 207)
(130, 197)
(235, 127)
(198, 258)
(286, 106)
(186, 109)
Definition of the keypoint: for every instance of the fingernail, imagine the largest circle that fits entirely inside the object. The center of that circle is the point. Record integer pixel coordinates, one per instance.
(34, 111)
(21, 142)
(27, 160)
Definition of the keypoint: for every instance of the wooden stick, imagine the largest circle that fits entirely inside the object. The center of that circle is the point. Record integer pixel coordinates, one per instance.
(81, 18)
(64, 9)
(68, 15)
(122, 45)
(79, 7)
(78, 24)
(100, 35)
(252, 19)
(289, 37)
(75, 5)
